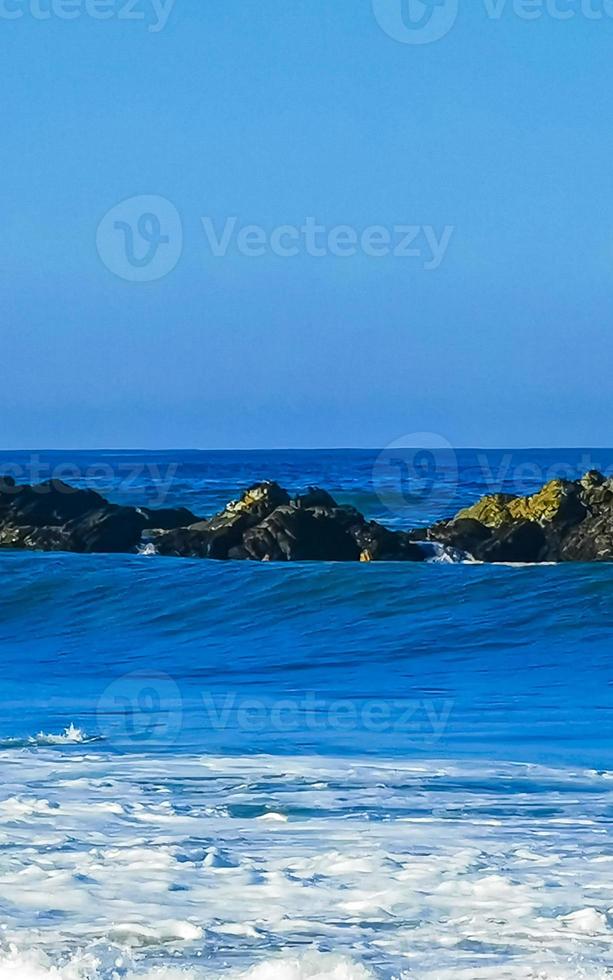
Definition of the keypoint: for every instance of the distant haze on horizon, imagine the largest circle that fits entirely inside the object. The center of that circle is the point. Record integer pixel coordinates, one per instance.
(487, 152)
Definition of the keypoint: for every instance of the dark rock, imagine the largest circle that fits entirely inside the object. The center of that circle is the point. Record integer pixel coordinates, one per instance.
(466, 534)
(168, 518)
(226, 529)
(541, 527)
(315, 497)
(564, 521)
(297, 534)
(34, 538)
(255, 504)
(596, 493)
(214, 539)
(238, 554)
(183, 542)
(108, 530)
(524, 541)
(593, 478)
(558, 501)
(224, 532)
(591, 540)
(377, 543)
(48, 504)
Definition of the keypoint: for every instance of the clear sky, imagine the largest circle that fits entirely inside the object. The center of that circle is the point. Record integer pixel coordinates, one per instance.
(273, 112)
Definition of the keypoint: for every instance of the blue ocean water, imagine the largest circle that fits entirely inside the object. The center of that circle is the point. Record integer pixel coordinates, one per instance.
(333, 771)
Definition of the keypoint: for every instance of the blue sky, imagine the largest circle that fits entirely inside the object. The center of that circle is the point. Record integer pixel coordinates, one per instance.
(276, 111)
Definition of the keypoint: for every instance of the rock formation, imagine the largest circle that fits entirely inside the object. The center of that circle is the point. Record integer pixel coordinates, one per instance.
(565, 521)
(266, 525)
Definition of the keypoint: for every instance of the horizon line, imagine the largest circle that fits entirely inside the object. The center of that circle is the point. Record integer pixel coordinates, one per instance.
(296, 449)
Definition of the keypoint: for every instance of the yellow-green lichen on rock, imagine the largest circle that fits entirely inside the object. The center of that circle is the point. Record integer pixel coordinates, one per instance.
(543, 506)
(498, 509)
(262, 498)
(249, 499)
(493, 510)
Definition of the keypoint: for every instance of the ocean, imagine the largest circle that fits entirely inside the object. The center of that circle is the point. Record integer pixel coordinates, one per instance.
(305, 772)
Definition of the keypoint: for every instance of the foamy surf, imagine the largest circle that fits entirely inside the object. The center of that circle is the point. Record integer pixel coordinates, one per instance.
(70, 736)
(311, 966)
(32, 966)
(113, 868)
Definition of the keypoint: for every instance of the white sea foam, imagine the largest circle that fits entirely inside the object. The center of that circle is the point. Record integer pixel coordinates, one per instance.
(442, 554)
(114, 868)
(71, 735)
(308, 968)
(37, 966)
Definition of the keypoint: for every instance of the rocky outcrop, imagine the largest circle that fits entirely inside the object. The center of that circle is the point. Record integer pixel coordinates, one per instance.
(224, 532)
(266, 525)
(557, 500)
(54, 516)
(564, 521)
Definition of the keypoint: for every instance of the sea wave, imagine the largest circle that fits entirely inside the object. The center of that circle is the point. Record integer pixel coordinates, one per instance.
(72, 735)
(15, 965)
(35, 966)
(258, 868)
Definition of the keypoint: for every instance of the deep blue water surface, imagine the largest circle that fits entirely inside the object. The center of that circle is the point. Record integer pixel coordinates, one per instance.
(182, 656)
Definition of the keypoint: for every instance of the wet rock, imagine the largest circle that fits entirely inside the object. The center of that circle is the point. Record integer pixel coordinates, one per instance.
(52, 503)
(592, 479)
(182, 542)
(293, 533)
(108, 530)
(315, 497)
(491, 511)
(557, 500)
(34, 538)
(464, 533)
(564, 521)
(596, 493)
(168, 518)
(223, 532)
(377, 543)
(590, 540)
(522, 541)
